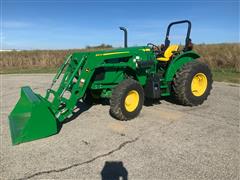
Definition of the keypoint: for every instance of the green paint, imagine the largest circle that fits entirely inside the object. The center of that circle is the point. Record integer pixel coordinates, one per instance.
(35, 117)
(178, 62)
(31, 118)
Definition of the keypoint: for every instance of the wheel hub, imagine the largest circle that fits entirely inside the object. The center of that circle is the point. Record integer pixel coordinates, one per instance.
(199, 84)
(131, 101)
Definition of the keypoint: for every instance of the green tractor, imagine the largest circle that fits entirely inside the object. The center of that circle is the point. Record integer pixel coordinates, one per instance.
(126, 76)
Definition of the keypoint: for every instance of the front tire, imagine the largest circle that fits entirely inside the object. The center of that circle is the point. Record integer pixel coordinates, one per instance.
(192, 83)
(127, 100)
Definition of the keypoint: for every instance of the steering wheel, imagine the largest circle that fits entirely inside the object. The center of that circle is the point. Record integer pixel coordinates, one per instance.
(154, 47)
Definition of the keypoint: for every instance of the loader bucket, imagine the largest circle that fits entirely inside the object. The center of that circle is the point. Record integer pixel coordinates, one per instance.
(31, 118)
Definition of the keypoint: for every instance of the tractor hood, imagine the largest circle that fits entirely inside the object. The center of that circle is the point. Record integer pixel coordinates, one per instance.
(118, 51)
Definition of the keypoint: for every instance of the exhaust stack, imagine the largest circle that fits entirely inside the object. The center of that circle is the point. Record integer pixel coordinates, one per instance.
(125, 36)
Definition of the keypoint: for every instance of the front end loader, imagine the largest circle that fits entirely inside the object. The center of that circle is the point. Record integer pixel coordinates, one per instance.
(126, 76)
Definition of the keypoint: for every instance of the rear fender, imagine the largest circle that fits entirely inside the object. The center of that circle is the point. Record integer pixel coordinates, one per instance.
(178, 62)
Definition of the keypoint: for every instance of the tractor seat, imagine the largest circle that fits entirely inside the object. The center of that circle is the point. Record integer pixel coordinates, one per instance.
(168, 53)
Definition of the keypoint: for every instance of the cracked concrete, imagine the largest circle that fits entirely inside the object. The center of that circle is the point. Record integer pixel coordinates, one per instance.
(166, 141)
(81, 163)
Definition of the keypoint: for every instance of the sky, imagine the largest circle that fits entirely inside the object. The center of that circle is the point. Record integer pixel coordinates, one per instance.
(67, 24)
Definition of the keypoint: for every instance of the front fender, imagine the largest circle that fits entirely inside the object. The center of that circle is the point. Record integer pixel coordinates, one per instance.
(178, 62)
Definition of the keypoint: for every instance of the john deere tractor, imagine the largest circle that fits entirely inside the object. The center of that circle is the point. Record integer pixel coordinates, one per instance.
(126, 76)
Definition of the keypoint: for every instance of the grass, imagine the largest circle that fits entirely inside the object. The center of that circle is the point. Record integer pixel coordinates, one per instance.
(226, 75)
(223, 59)
(220, 56)
(221, 75)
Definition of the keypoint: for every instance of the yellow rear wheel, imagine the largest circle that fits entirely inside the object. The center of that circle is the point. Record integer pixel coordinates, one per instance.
(131, 101)
(199, 84)
(192, 83)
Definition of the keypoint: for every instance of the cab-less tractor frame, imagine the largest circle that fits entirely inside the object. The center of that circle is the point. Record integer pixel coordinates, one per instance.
(125, 76)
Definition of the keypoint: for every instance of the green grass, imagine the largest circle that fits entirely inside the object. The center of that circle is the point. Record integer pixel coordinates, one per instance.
(226, 75)
(223, 59)
(222, 75)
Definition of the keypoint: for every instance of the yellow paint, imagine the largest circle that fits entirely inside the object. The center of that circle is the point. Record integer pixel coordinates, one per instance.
(131, 101)
(199, 84)
(112, 53)
(163, 59)
(169, 52)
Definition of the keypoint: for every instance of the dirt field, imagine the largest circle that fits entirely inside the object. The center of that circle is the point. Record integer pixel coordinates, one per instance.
(167, 141)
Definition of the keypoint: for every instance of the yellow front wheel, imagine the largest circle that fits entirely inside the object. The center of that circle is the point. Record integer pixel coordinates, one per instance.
(131, 101)
(127, 100)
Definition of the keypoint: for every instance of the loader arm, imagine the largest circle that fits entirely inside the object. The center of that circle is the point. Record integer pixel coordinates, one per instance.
(36, 117)
(70, 84)
(79, 70)
(72, 87)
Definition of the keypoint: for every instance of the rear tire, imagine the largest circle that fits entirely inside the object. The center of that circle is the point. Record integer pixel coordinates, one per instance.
(192, 84)
(127, 100)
